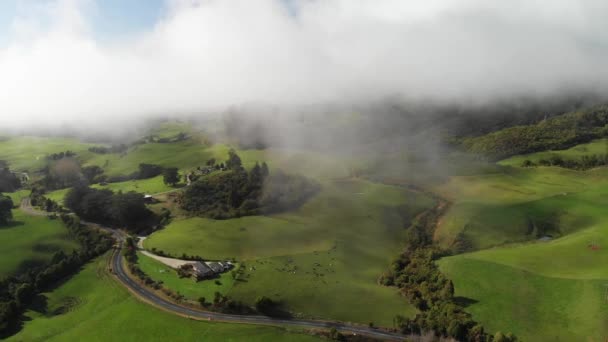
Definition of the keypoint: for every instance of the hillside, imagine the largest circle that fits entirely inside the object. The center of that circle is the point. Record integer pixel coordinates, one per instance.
(554, 133)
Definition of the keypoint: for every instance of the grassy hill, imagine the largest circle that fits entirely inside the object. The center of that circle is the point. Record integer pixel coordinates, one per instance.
(518, 204)
(555, 133)
(29, 153)
(538, 289)
(94, 307)
(533, 306)
(322, 260)
(30, 241)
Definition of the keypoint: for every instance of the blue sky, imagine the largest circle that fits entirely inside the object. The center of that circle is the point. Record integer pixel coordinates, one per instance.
(109, 19)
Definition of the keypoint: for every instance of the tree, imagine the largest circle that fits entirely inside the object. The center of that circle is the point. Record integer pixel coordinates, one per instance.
(6, 206)
(148, 171)
(335, 335)
(202, 301)
(234, 161)
(92, 173)
(171, 176)
(265, 170)
(265, 305)
(9, 182)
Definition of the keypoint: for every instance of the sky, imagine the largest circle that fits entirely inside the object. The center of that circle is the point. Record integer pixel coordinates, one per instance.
(95, 61)
(109, 18)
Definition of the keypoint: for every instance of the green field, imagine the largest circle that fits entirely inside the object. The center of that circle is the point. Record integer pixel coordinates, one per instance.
(29, 153)
(598, 147)
(322, 260)
(144, 186)
(540, 290)
(92, 306)
(30, 241)
(186, 286)
(17, 196)
(533, 306)
(493, 209)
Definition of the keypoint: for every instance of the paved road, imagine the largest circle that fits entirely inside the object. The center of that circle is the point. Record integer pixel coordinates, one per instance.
(151, 297)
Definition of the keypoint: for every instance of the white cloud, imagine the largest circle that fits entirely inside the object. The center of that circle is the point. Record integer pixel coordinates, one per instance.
(218, 53)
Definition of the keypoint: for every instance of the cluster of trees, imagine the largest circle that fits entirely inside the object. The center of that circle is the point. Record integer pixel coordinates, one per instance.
(269, 307)
(420, 280)
(239, 192)
(17, 292)
(61, 155)
(6, 207)
(61, 173)
(585, 162)
(37, 199)
(106, 150)
(555, 133)
(9, 181)
(171, 176)
(225, 304)
(125, 210)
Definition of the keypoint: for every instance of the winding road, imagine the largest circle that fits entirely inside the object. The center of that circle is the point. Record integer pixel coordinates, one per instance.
(146, 294)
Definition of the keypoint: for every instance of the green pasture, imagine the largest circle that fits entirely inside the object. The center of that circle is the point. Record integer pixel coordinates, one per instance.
(191, 289)
(532, 306)
(92, 306)
(31, 240)
(498, 208)
(29, 153)
(354, 225)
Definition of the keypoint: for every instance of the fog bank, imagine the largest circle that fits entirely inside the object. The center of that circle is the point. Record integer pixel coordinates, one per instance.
(207, 56)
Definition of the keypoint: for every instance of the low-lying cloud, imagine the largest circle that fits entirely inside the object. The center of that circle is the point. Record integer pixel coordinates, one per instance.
(212, 54)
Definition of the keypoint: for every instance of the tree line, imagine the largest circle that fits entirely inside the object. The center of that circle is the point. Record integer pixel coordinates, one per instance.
(555, 133)
(415, 273)
(6, 209)
(585, 162)
(18, 291)
(125, 210)
(238, 192)
(9, 181)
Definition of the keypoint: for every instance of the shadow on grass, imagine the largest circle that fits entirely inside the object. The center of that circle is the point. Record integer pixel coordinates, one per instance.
(39, 304)
(464, 301)
(12, 224)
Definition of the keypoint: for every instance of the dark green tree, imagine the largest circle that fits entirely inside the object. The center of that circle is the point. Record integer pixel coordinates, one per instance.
(234, 161)
(6, 206)
(265, 170)
(171, 176)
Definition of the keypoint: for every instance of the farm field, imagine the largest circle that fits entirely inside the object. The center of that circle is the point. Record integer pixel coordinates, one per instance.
(513, 205)
(17, 196)
(186, 286)
(28, 154)
(92, 306)
(539, 289)
(30, 241)
(144, 186)
(534, 306)
(322, 260)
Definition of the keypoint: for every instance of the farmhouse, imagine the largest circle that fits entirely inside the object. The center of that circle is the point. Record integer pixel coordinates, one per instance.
(201, 270)
(218, 267)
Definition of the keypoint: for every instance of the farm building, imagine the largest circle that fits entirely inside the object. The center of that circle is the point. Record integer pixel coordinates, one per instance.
(201, 270)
